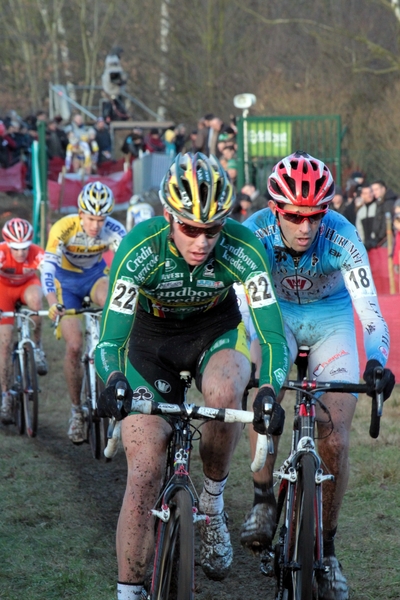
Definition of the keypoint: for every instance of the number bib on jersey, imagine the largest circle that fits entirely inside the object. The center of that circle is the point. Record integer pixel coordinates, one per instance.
(124, 296)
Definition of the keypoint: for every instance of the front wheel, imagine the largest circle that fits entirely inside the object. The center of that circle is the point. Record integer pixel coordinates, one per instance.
(30, 390)
(304, 542)
(173, 576)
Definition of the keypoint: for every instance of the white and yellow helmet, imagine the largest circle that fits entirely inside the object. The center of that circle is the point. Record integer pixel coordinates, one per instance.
(96, 199)
(197, 188)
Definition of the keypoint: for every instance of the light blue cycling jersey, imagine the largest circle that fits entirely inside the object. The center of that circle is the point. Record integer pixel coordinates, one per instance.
(315, 289)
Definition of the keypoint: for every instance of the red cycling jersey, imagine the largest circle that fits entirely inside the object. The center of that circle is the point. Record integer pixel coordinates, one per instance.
(13, 273)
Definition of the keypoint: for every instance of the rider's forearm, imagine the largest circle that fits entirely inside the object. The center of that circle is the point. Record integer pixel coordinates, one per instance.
(51, 298)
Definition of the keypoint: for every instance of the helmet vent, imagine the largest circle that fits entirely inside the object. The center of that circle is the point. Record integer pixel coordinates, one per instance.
(186, 185)
(291, 183)
(319, 184)
(305, 189)
(275, 186)
(203, 194)
(218, 189)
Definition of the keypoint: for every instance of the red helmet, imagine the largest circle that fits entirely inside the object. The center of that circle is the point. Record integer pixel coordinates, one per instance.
(18, 233)
(301, 180)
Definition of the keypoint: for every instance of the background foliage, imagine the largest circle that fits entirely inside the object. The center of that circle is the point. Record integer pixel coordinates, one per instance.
(298, 58)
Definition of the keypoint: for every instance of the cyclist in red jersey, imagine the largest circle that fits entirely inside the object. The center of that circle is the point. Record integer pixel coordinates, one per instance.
(19, 261)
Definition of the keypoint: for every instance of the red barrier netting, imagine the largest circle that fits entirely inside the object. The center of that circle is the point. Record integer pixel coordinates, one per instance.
(65, 195)
(55, 165)
(13, 178)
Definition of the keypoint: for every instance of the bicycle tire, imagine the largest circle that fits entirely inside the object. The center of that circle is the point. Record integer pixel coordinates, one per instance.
(97, 427)
(92, 424)
(104, 422)
(30, 391)
(173, 574)
(18, 411)
(94, 433)
(304, 541)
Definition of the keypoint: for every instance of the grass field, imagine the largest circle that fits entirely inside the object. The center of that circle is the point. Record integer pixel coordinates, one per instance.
(59, 509)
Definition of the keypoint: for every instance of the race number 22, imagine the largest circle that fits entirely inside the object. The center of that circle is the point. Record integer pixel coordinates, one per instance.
(124, 296)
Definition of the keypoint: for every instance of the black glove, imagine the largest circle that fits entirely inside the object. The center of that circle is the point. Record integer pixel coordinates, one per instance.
(384, 385)
(264, 396)
(107, 403)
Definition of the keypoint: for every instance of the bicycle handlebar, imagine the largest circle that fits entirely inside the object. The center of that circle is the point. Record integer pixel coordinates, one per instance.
(192, 411)
(79, 311)
(24, 312)
(312, 386)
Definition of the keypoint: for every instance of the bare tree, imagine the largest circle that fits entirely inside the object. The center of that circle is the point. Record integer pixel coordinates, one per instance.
(94, 17)
(51, 16)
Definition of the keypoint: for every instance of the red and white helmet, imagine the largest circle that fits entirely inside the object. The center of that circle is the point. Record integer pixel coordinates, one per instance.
(18, 233)
(301, 180)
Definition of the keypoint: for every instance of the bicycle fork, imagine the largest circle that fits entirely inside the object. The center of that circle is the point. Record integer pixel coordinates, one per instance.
(180, 478)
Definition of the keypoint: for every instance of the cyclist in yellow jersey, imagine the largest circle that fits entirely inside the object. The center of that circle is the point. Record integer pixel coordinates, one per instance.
(78, 155)
(74, 268)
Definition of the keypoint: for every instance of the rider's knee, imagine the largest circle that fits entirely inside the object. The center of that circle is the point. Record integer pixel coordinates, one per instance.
(73, 349)
(225, 393)
(336, 445)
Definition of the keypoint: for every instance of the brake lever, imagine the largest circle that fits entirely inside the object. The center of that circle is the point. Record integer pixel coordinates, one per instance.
(378, 374)
(377, 406)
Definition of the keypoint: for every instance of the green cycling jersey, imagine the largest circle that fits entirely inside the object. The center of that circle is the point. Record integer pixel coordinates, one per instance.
(149, 269)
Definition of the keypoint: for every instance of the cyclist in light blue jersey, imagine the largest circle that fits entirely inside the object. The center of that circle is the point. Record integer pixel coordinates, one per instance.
(320, 270)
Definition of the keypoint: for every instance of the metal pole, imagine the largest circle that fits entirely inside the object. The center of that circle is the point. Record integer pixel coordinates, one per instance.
(60, 92)
(245, 148)
(43, 181)
(36, 192)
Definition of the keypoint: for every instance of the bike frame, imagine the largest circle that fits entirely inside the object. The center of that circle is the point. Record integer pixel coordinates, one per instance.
(303, 442)
(177, 474)
(23, 324)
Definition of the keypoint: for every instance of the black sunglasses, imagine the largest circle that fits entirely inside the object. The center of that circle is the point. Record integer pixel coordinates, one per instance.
(194, 232)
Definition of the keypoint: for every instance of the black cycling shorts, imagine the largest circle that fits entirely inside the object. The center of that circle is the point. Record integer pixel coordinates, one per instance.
(159, 349)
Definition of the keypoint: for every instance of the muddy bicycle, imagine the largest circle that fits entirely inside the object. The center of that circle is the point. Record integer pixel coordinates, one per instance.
(297, 556)
(177, 508)
(25, 389)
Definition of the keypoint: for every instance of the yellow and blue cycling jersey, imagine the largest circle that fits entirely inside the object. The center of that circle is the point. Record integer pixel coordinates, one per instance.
(73, 258)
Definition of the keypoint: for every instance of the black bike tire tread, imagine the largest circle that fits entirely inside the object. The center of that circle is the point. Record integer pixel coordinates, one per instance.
(169, 540)
(305, 535)
(19, 404)
(31, 407)
(93, 431)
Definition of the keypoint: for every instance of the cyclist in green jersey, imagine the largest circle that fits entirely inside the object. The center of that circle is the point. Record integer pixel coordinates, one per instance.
(171, 304)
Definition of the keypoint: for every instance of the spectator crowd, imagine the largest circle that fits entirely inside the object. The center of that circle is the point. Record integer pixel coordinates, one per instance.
(87, 148)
